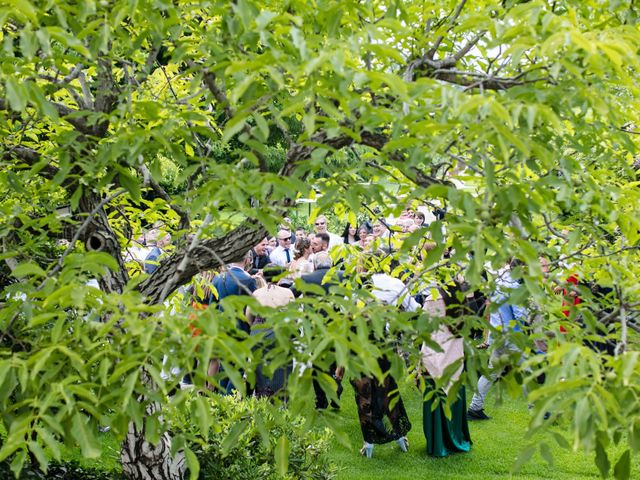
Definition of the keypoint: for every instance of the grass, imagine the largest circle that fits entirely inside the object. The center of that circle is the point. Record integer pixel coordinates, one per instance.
(496, 445)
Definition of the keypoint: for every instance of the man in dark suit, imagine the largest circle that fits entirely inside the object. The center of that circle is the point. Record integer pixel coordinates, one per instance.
(259, 256)
(233, 281)
(323, 263)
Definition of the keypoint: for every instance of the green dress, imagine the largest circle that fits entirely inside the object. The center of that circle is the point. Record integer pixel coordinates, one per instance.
(445, 436)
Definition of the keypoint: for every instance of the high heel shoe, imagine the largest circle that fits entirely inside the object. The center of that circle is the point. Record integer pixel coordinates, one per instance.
(367, 450)
(403, 443)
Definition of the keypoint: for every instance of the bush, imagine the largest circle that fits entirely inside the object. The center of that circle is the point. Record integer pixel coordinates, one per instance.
(246, 437)
(58, 471)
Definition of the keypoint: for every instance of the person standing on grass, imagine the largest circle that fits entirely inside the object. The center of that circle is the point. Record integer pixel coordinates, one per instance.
(506, 317)
(444, 434)
(376, 400)
(274, 296)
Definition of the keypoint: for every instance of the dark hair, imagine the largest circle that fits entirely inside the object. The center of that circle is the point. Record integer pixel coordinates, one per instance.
(324, 237)
(301, 246)
(345, 234)
(421, 215)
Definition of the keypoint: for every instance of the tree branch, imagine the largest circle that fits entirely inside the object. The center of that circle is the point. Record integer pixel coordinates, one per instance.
(432, 51)
(173, 272)
(209, 79)
(149, 181)
(464, 50)
(30, 157)
(185, 259)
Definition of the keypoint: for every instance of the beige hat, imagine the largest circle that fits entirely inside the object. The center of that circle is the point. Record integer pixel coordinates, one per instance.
(283, 234)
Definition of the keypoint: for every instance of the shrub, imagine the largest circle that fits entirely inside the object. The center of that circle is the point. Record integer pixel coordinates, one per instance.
(71, 470)
(247, 436)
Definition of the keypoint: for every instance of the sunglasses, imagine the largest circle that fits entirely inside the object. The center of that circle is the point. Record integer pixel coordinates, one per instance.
(319, 223)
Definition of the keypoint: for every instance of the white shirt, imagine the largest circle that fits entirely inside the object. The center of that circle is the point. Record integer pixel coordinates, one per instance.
(279, 256)
(392, 291)
(334, 240)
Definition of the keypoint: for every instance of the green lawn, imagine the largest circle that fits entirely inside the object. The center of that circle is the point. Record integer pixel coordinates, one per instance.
(496, 445)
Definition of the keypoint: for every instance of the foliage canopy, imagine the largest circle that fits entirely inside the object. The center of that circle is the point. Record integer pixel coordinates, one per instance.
(214, 117)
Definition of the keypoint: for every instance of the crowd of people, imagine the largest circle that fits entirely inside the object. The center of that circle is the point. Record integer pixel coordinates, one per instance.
(272, 272)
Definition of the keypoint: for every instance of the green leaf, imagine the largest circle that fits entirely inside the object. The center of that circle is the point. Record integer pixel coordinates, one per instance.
(5, 367)
(545, 451)
(524, 456)
(38, 452)
(130, 183)
(602, 460)
(16, 94)
(50, 442)
(263, 127)
(27, 9)
(74, 201)
(129, 385)
(189, 149)
(85, 436)
(28, 42)
(233, 126)
(282, 455)
(203, 415)
(9, 446)
(560, 440)
(634, 435)
(262, 430)
(18, 462)
(232, 437)
(28, 269)
(192, 463)
(622, 470)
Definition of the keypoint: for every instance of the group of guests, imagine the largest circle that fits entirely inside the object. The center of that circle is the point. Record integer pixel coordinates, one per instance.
(269, 272)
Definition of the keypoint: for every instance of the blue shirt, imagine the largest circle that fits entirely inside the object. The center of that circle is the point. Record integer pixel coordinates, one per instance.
(151, 261)
(508, 316)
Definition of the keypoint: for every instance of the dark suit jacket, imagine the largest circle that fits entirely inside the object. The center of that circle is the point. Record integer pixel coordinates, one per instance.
(316, 278)
(258, 262)
(234, 281)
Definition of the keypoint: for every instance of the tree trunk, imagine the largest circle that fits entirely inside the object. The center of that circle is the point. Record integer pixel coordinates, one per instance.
(143, 461)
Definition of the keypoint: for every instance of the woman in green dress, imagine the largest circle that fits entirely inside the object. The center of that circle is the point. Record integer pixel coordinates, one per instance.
(444, 434)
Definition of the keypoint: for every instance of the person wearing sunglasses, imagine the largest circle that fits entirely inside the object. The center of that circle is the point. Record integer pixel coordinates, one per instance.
(321, 227)
(282, 255)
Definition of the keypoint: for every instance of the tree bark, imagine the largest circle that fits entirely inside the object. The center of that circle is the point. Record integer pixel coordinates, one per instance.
(143, 461)
(208, 254)
(99, 236)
